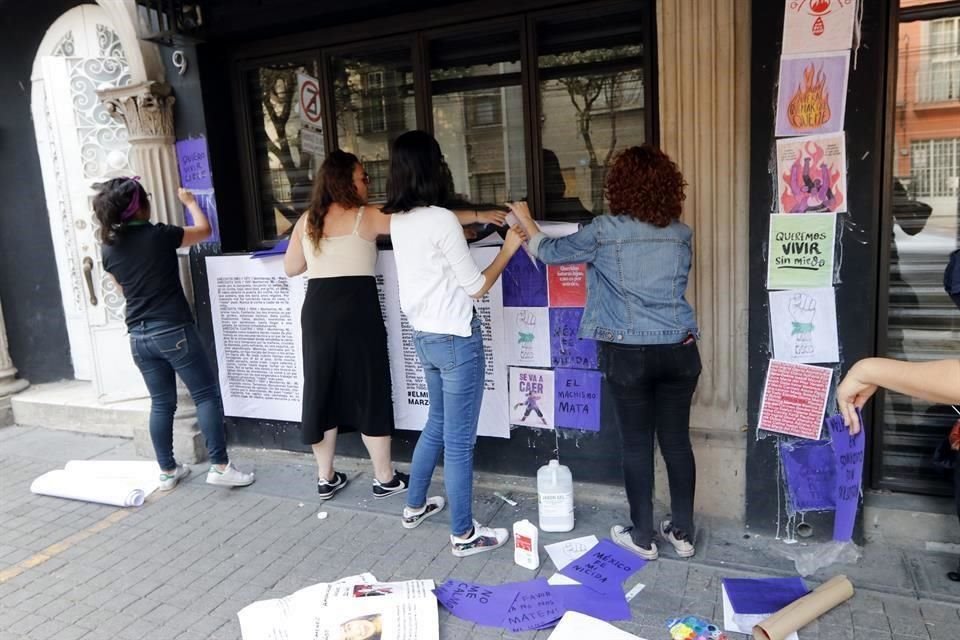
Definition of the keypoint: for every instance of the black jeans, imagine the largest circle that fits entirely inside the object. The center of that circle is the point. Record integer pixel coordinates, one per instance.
(652, 387)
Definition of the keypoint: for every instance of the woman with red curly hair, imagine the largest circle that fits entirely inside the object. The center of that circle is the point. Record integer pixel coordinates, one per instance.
(638, 262)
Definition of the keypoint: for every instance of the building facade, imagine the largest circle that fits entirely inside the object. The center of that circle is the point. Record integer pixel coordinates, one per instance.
(529, 99)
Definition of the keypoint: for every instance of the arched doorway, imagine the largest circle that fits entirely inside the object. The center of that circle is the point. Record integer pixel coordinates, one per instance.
(79, 144)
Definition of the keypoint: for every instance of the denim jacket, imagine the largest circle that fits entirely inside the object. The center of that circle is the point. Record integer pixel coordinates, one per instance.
(636, 278)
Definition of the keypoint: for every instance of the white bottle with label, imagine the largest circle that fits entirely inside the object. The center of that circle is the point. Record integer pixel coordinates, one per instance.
(526, 546)
(555, 497)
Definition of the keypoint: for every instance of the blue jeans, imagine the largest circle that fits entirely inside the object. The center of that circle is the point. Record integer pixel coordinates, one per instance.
(454, 369)
(162, 350)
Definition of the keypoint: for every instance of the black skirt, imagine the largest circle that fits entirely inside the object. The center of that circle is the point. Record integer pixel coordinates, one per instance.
(346, 372)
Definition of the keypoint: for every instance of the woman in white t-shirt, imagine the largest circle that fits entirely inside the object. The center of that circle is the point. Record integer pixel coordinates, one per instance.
(439, 281)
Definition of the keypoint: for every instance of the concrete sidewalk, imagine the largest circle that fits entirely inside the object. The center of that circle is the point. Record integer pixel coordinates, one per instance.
(182, 565)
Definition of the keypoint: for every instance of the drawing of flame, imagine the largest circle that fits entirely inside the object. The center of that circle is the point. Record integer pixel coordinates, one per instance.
(809, 108)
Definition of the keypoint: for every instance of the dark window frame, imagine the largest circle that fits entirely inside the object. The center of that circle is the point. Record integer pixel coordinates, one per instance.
(416, 30)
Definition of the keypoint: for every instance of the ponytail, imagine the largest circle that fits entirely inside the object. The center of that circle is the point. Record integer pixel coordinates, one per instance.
(118, 201)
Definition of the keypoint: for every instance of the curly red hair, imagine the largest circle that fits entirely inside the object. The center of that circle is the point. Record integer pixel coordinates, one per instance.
(645, 183)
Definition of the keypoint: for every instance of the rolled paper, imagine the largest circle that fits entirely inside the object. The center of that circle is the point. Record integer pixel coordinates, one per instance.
(802, 612)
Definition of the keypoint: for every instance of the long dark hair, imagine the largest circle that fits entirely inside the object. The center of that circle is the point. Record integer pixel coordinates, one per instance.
(418, 175)
(118, 201)
(334, 183)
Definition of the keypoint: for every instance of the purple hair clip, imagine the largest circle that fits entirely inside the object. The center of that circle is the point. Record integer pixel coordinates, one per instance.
(134, 205)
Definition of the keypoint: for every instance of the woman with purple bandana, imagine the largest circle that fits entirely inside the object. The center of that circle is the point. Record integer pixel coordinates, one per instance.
(142, 258)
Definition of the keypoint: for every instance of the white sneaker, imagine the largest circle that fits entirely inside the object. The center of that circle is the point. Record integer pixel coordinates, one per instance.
(482, 539)
(413, 517)
(621, 535)
(680, 540)
(229, 477)
(169, 480)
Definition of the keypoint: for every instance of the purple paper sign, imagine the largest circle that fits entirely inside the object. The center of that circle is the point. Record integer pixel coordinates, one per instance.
(811, 476)
(524, 283)
(604, 567)
(477, 603)
(194, 164)
(278, 249)
(578, 399)
(208, 204)
(535, 607)
(763, 595)
(566, 349)
(605, 606)
(848, 451)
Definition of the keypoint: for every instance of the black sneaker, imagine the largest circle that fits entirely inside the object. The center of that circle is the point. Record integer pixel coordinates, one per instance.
(327, 489)
(399, 484)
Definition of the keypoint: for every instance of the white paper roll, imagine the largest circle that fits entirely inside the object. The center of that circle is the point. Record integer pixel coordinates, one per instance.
(79, 486)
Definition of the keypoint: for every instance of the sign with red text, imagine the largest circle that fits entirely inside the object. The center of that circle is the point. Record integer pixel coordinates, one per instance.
(567, 285)
(794, 399)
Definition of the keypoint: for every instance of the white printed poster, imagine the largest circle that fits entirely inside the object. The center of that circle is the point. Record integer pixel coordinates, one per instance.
(527, 336)
(411, 402)
(531, 397)
(818, 25)
(804, 326)
(255, 309)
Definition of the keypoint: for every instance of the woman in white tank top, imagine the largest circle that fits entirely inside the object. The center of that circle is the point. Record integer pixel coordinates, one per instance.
(345, 365)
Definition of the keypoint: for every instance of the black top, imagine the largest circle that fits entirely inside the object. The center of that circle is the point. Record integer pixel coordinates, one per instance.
(144, 262)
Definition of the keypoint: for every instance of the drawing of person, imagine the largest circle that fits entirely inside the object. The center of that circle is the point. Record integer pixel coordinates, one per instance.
(811, 195)
(362, 628)
(532, 406)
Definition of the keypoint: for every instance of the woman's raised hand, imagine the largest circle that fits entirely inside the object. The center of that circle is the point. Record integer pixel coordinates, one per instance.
(186, 196)
(515, 238)
(520, 209)
(493, 216)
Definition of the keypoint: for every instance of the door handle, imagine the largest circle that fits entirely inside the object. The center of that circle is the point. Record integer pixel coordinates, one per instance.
(88, 276)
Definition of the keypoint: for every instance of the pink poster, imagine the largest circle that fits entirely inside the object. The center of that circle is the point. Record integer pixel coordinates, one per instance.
(794, 399)
(812, 174)
(812, 94)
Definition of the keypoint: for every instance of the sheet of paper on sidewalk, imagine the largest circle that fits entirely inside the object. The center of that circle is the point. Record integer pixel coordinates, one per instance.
(477, 603)
(535, 607)
(119, 483)
(359, 605)
(604, 567)
(604, 606)
(848, 452)
(763, 595)
(576, 626)
(563, 553)
(745, 622)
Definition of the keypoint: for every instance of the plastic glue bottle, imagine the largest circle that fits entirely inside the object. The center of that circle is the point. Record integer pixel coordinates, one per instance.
(555, 497)
(526, 547)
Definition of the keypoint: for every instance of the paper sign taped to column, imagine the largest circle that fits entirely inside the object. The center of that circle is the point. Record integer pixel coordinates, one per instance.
(801, 251)
(813, 93)
(794, 399)
(803, 325)
(812, 174)
(818, 25)
(527, 336)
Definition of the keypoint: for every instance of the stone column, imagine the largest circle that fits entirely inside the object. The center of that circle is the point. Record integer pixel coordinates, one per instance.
(9, 382)
(147, 111)
(704, 75)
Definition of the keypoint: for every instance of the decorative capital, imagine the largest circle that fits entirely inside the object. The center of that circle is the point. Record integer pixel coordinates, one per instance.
(146, 109)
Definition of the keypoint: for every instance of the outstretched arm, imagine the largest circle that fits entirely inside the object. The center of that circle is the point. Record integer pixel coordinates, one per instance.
(937, 381)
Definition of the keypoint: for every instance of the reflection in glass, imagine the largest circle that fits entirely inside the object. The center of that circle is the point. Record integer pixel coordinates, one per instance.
(592, 105)
(374, 99)
(478, 115)
(922, 321)
(284, 171)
